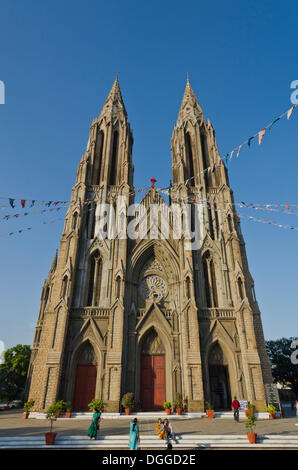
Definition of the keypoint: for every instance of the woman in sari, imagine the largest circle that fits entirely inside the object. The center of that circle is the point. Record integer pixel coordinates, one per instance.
(134, 435)
(92, 431)
(162, 432)
(158, 426)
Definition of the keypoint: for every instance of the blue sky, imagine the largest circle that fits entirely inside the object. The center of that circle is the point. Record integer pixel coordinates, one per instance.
(58, 62)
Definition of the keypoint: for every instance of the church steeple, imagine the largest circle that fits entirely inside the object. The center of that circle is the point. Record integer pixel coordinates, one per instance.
(193, 145)
(190, 107)
(109, 148)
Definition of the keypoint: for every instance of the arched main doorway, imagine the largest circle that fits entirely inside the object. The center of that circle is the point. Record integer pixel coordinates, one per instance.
(219, 379)
(153, 373)
(85, 381)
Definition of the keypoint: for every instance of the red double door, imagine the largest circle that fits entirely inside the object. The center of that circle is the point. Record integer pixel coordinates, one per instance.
(153, 383)
(84, 386)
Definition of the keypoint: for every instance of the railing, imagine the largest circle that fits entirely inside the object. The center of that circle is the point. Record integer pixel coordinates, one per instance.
(216, 313)
(90, 312)
(141, 313)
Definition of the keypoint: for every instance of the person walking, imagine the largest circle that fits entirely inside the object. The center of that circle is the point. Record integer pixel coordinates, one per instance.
(92, 431)
(236, 406)
(134, 435)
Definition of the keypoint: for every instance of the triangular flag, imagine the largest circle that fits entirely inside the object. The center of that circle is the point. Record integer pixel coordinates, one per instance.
(11, 202)
(23, 203)
(290, 112)
(272, 123)
(249, 140)
(231, 154)
(261, 135)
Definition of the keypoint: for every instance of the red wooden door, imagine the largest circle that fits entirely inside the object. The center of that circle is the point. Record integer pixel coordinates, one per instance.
(84, 386)
(159, 381)
(153, 389)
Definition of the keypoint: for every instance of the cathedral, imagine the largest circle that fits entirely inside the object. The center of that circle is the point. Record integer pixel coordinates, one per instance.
(148, 315)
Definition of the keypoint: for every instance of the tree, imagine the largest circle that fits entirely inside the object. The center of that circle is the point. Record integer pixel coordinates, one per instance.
(13, 372)
(284, 369)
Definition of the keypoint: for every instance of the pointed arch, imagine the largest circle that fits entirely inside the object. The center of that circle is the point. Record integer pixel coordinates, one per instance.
(114, 159)
(240, 288)
(219, 377)
(210, 280)
(189, 156)
(85, 376)
(98, 158)
(94, 279)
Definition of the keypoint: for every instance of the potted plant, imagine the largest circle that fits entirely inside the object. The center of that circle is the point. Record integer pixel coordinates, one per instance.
(272, 411)
(209, 410)
(61, 408)
(51, 415)
(178, 404)
(96, 404)
(167, 406)
(68, 409)
(27, 407)
(128, 402)
(250, 423)
(249, 410)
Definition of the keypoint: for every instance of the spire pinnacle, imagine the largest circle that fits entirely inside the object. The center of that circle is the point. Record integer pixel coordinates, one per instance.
(190, 105)
(114, 102)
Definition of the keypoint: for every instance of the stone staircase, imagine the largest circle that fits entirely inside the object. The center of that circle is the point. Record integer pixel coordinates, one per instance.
(148, 442)
(152, 416)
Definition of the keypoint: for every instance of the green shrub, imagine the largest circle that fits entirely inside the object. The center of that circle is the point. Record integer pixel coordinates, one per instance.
(167, 405)
(208, 406)
(250, 423)
(271, 408)
(28, 405)
(96, 404)
(128, 401)
(178, 402)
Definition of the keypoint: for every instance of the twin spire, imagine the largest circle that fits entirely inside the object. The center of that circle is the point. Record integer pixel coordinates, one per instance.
(189, 105)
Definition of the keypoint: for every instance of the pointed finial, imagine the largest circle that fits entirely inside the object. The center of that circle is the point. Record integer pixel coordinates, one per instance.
(117, 73)
(187, 77)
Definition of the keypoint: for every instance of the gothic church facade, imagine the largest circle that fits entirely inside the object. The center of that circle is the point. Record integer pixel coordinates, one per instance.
(144, 315)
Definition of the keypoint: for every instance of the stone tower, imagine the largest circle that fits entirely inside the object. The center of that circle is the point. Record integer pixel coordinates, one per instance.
(145, 313)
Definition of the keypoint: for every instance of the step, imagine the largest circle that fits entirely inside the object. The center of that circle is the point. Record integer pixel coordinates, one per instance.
(150, 415)
(181, 441)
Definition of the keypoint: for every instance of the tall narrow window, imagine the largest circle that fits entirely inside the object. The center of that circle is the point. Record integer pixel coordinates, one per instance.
(113, 169)
(240, 288)
(189, 155)
(211, 231)
(46, 297)
(204, 149)
(118, 287)
(92, 228)
(230, 225)
(216, 220)
(75, 221)
(64, 287)
(187, 287)
(97, 158)
(206, 281)
(214, 286)
(95, 270)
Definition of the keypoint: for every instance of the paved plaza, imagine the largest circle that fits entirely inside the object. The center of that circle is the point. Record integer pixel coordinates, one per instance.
(12, 423)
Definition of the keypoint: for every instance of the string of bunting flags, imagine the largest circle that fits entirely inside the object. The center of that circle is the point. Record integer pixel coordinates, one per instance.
(236, 150)
(242, 216)
(170, 190)
(23, 230)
